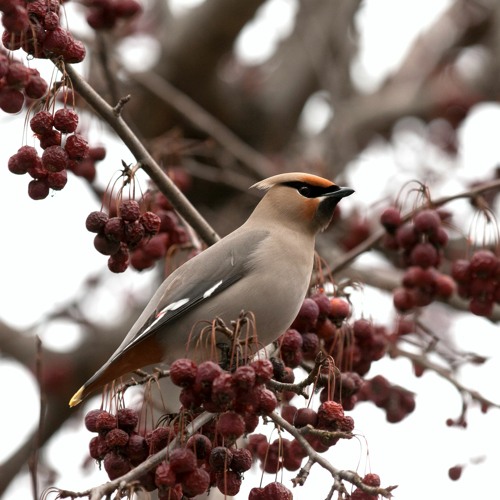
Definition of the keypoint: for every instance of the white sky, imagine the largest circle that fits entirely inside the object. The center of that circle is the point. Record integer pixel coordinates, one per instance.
(46, 244)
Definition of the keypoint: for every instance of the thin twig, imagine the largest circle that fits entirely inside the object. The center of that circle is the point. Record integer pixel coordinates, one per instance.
(445, 373)
(338, 475)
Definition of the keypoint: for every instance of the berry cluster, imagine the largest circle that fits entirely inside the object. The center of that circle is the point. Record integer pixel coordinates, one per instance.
(117, 236)
(18, 82)
(421, 242)
(35, 27)
(104, 15)
(318, 319)
(396, 401)
(242, 394)
(49, 171)
(478, 280)
(171, 232)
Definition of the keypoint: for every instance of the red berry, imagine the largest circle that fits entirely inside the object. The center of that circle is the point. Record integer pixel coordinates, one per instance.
(38, 189)
(424, 255)
(116, 465)
(372, 480)
(220, 458)
(134, 233)
(244, 378)
(481, 307)
(76, 147)
(105, 421)
(461, 271)
(391, 219)
(323, 303)
(118, 264)
(291, 340)
(156, 246)
(57, 180)
(127, 419)
(114, 229)
(276, 491)
(165, 476)
(406, 236)
(455, 472)
(242, 460)
(183, 372)
(50, 138)
(91, 419)
(483, 263)
(206, 374)
(11, 100)
(330, 413)
(307, 317)
(445, 286)
(96, 221)
(228, 482)
(116, 437)
(305, 416)
(151, 223)
(403, 299)
(266, 401)
(230, 425)
(200, 445)
(65, 120)
(427, 221)
(158, 439)
(196, 482)
(263, 370)
(105, 246)
(56, 41)
(18, 75)
(182, 460)
(340, 309)
(74, 52)
(129, 210)
(54, 159)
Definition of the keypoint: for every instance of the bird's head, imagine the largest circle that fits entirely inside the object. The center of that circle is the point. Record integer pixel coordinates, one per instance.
(300, 198)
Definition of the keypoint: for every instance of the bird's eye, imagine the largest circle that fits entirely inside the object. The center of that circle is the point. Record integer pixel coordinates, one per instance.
(305, 191)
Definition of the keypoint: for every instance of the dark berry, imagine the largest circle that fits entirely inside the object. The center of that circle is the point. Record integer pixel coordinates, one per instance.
(96, 221)
(65, 120)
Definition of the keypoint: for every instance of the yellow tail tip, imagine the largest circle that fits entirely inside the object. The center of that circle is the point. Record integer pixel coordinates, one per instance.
(77, 398)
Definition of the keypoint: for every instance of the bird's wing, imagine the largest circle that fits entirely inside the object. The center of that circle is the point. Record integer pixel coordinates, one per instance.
(198, 280)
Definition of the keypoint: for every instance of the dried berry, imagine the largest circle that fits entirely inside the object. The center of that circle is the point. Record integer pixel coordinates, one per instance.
(96, 221)
(65, 120)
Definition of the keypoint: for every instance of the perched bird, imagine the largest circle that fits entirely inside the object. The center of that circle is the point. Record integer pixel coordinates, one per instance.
(263, 267)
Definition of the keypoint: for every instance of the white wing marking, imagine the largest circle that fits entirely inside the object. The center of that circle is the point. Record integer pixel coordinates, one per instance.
(212, 290)
(171, 307)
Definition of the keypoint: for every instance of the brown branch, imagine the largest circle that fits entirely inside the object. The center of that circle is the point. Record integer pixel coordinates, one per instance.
(141, 154)
(257, 165)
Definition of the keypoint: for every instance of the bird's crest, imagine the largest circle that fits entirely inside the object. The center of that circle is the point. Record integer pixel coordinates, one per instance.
(311, 179)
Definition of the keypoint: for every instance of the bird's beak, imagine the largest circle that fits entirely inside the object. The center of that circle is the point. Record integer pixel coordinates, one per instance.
(340, 193)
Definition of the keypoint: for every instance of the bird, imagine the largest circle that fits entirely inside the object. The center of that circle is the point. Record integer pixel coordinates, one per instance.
(263, 267)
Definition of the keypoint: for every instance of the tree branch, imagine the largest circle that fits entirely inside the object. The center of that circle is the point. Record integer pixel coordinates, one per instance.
(142, 155)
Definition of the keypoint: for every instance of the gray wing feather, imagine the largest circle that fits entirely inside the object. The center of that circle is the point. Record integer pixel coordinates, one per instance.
(225, 262)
